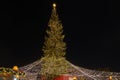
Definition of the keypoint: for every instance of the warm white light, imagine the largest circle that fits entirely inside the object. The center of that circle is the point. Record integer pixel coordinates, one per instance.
(15, 68)
(17, 76)
(54, 5)
(14, 78)
(74, 78)
(110, 77)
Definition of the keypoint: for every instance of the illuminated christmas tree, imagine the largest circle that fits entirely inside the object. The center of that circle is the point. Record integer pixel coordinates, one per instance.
(53, 60)
(54, 44)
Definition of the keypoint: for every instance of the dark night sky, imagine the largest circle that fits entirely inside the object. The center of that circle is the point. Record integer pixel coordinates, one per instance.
(92, 29)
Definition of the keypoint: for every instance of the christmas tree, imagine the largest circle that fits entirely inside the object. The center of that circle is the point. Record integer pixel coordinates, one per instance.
(53, 60)
(54, 45)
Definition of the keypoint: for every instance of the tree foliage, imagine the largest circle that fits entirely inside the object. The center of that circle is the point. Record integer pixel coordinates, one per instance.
(54, 44)
(53, 67)
(53, 60)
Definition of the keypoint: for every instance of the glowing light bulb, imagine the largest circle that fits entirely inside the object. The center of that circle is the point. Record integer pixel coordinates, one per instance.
(15, 68)
(74, 78)
(54, 5)
(110, 77)
(17, 76)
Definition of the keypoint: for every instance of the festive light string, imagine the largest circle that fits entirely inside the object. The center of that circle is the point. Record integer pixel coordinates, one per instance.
(86, 72)
(4, 70)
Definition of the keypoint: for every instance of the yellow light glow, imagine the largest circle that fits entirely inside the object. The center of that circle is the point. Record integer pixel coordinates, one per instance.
(74, 78)
(15, 68)
(17, 76)
(4, 74)
(54, 5)
(110, 77)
